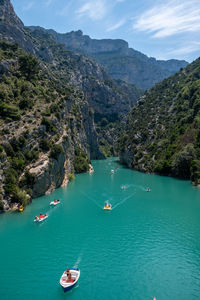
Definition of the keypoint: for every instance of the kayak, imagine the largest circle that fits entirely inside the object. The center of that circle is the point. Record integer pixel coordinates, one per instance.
(40, 218)
(68, 285)
(107, 206)
(54, 202)
(21, 208)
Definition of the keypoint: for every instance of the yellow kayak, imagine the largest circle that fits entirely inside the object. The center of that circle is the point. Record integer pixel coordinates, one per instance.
(21, 208)
(107, 206)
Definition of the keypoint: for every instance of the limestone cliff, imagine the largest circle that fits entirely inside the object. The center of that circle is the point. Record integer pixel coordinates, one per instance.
(120, 61)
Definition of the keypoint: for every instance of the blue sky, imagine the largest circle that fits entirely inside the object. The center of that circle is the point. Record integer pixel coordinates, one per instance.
(163, 29)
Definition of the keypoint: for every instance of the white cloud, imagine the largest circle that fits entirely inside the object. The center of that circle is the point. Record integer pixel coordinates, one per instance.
(177, 16)
(194, 46)
(95, 10)
(116, 26)
(28, 6)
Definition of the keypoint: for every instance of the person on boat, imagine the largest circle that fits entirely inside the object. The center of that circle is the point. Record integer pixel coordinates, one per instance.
(69, 279)
(67, 272)
(36, 217)
(69, 276)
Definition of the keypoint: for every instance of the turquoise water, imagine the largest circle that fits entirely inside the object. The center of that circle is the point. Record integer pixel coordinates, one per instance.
(147, 246)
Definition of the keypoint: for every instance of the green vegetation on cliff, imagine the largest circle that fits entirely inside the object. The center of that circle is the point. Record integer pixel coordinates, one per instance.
(39, 117)
(163, 128)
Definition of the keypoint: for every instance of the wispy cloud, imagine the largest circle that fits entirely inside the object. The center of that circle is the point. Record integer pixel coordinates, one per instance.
(187, 49)
(28, 6)
(177, 16)
(48, 2)
(116, 26)
(66, 10)
(95, 10)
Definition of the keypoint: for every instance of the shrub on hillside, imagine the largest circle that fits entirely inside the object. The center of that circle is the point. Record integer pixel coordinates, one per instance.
(182, 162)
(28, 66)
(80, 164)
(44, 144)
(56, 150)
(70, 176)
(9, 112)
(195, 171)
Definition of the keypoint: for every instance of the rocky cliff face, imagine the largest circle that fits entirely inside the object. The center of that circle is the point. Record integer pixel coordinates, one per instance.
(103, 94)
(12, 28)
(120, 61)
(47, 107)
(47, 129)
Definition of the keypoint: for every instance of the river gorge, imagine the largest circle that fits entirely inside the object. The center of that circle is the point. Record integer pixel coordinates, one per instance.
(147, 246)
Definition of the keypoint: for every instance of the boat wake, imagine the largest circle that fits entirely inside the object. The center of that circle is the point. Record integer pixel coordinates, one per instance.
(78, 261)
(95, 202)
(123, 200)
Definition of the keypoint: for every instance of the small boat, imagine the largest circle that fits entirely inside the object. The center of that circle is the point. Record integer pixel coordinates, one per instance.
(66, 283)
(107, 206)
(40, 218)
(54, 202)
(21, 208)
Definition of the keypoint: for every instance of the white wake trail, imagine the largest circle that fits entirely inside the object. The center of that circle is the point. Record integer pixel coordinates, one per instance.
(123, 200)
(97, 204)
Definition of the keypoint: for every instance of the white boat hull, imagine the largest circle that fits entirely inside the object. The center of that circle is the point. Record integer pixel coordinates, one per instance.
(40, 219)
(67, 286)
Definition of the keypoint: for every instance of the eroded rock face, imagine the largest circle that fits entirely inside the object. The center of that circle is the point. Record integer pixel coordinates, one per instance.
(126, 158)
(5, 66)
(7, 14)
(12, 28)
(120, 61)
(49, 174)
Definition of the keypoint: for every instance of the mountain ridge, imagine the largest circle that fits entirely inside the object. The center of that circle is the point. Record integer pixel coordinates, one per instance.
(120, 61)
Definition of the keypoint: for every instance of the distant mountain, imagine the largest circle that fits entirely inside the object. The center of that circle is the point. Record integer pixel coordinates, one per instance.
(163, 129)
(120, 61)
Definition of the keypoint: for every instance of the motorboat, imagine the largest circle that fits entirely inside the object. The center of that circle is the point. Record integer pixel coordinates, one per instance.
(69, 279)
(54, 202)
(40, 218)
(107, 206)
